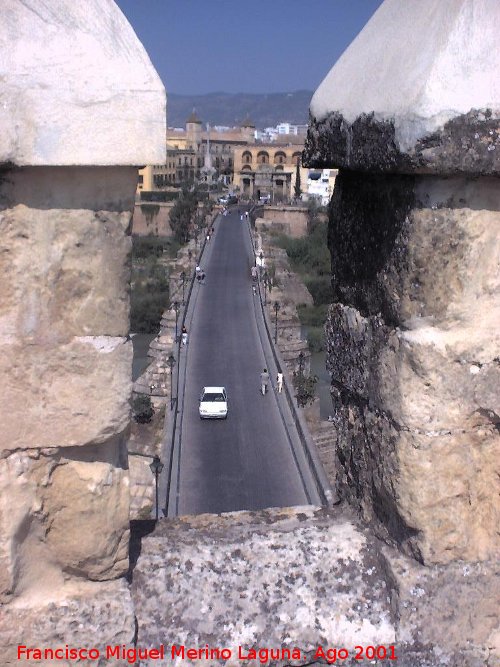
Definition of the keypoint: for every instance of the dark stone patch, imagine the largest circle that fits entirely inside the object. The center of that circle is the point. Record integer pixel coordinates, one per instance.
(387, 513)
(467, 144)
(365, 145)
(367, 233)
(138, 530)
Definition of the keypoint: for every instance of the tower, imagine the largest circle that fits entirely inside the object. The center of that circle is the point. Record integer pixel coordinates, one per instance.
(193, 131)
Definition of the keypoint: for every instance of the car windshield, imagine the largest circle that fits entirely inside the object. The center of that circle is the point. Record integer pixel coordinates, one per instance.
(213, 398)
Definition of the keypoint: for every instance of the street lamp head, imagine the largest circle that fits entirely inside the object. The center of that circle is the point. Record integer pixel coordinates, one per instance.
(171, 361)
(156, 466)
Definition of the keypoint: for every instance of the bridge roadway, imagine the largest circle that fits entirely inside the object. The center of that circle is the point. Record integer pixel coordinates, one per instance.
(245, 462)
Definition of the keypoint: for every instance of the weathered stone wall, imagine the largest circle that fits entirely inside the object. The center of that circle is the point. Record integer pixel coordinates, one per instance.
(414, 236)
(302, 578)
(75, 83)
(292, 220)
(152, 218)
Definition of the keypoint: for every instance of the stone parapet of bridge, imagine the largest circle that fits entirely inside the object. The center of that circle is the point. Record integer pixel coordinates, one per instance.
(82, 107)
(410, 114)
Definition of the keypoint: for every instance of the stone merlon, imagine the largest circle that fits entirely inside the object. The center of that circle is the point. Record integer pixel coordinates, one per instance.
(62, 102)
(417, 91)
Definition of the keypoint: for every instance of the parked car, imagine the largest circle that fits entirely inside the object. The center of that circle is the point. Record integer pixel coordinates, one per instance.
(229, 199)
(213, 403)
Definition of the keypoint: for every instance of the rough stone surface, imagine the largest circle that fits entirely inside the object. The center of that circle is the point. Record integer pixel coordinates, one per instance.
(65, 253)
(52, 520)
(450, 610)
(410, 113)
(77, 87)
(78, 90)
(82, 615)
(417, 91)
(85, 382)
(245, 594)
(304, 578)
(413, 354)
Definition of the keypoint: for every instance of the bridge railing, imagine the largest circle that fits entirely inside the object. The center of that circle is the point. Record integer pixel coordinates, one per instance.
(323, 486)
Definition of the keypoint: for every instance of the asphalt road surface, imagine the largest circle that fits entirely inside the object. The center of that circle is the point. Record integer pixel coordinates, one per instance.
(244, 462)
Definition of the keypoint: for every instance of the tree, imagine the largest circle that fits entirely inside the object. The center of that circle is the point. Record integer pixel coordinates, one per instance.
(142, 409)
(182, 215)
(297, 188)
(305, 386)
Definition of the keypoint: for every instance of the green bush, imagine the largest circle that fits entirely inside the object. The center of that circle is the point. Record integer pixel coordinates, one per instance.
(316, 339)
(144, 247)
(159, 196)
(305, 386)
(142, 409)
(320, 288)
(308, 254)
(150, 282)
(146, 309)
(313, 316)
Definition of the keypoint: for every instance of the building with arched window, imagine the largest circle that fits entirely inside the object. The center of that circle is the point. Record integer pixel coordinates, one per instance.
(253, 168)
(268, 171)
(187, 154)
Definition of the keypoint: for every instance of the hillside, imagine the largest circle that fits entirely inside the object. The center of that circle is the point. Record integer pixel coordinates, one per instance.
(265, 110)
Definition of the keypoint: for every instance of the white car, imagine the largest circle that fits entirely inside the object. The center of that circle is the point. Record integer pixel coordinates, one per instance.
(213, 403)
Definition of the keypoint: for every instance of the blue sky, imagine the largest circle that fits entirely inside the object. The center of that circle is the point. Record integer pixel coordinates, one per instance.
(252, 46)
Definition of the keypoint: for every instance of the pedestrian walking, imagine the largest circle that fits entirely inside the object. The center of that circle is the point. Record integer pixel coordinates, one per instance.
(279, 382)
(202, 277)
(197, 270)
(184, 336)
(212, 231)
(208, 237)
(264, 381)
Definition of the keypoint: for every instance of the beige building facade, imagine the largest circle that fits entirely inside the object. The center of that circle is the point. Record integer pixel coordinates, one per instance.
(197, 154)
(268, 171)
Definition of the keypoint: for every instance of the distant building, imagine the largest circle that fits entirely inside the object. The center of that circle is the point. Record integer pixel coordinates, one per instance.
(268, 171)
(195, 154)
(218, 154)
(320, 183)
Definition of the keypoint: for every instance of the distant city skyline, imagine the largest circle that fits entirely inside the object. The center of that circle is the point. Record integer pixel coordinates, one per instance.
(206, 46)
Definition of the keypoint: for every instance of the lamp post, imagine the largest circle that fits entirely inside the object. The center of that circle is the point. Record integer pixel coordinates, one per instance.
(176, 307)
(182, 277)
(300, 388)
(156, 467)
(276, 309)
(171, 364)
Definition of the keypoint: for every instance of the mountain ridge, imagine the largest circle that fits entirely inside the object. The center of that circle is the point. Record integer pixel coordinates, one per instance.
(231, 109)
